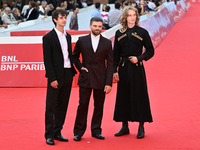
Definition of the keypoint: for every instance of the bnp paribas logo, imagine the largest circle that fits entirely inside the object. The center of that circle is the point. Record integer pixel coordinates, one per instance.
(10, 63)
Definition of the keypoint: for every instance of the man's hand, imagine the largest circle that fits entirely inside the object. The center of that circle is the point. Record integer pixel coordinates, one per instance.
(116, 76)
(83, 68)
(133, 59)
(5, 26)
(19, 21)
(107, 89)
(54, 84)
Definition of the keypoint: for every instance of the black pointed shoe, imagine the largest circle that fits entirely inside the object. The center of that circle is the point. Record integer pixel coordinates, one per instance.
(98, 136)
(60, 138)
(141, 132)
(50, 141)
(77, 138)
(123, 131)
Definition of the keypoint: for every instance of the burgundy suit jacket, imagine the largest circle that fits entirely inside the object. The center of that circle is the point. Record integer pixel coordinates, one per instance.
(100, 64)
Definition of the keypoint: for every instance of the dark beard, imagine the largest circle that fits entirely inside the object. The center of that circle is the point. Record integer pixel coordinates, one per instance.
(95, 33)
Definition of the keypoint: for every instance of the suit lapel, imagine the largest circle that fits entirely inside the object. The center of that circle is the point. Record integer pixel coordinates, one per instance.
(68, 44)
(55, 37)
(99, 47)
(90, 43)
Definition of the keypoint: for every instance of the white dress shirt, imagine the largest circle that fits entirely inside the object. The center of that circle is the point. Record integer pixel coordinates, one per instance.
(64, 46)
(95, 42)
(29, 13)
(41, 9)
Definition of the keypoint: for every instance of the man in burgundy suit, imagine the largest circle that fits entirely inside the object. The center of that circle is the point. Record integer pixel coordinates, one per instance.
(96, 73)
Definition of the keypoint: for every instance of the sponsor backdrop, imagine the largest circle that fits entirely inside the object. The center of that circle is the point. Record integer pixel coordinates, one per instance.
(21, 58)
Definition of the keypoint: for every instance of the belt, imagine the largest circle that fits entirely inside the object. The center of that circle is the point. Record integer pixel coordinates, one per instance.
(139, 63)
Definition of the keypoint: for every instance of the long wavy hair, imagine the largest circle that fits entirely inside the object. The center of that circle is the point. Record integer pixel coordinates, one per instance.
(123, 19)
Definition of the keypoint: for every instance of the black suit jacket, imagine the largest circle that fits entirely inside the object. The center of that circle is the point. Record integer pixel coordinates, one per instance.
(53, 56)
(100, 73)
(34, 14)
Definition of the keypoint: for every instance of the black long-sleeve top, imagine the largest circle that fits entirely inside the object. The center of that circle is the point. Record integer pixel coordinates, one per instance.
(131, 43)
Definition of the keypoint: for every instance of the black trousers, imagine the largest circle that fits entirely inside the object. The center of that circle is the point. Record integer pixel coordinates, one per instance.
(56, 105)
(82, 112)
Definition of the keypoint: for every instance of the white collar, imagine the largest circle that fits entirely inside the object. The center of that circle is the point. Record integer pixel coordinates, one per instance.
(60, 33)
(95, 37)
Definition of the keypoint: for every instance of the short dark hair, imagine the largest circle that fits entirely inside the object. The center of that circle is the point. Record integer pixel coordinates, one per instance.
(126, 4)
(107, 8)
(117, 5)
(33, 4)
(56, 12)
(59, 3)
(97, 19)
(97, 5)
(74, 8)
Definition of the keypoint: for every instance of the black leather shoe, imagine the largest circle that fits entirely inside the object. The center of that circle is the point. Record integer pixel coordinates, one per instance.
(50, 141)
(60, 138)
(77, 138)
(123, 131)
(98, 136)
(141, 132)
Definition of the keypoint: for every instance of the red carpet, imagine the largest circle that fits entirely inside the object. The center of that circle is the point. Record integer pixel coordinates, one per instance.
(173, 77)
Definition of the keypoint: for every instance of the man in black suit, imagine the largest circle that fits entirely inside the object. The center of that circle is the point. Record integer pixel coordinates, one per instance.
(59, 71)
(32, 13)
(95, 75)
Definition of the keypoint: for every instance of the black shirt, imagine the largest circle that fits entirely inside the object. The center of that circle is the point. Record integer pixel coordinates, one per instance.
(130, 43)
